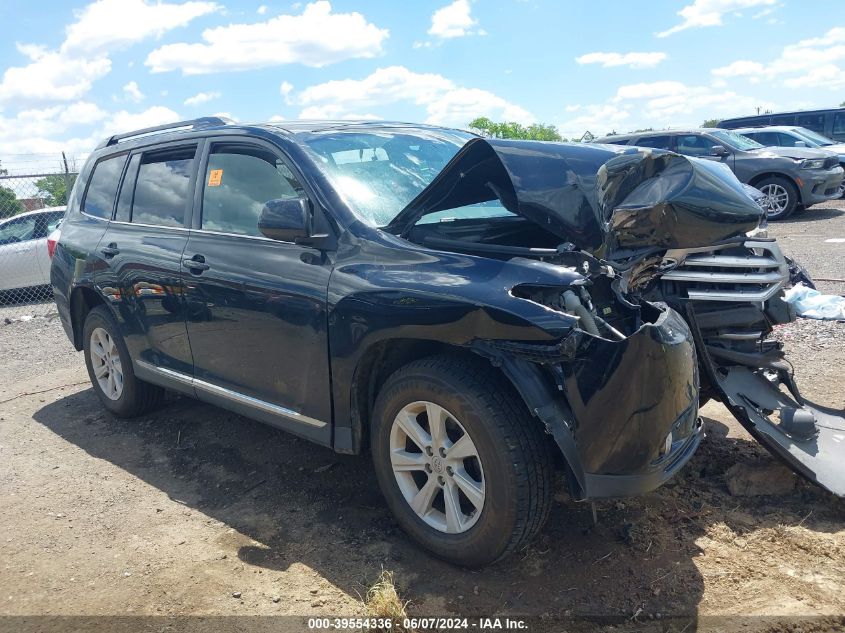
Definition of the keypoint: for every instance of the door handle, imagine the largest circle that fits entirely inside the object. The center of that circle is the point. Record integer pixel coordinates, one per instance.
(110, 251)
(196, 264)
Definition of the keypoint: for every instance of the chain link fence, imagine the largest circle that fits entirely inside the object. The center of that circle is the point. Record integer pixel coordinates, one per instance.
(33, 192)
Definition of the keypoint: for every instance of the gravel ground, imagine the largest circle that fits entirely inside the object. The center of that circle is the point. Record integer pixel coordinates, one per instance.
(192, 510)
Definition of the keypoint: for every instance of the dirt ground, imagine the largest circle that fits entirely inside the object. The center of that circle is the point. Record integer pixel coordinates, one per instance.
(192, 510)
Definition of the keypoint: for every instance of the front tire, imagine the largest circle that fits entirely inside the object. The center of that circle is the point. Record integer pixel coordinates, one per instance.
(110, 368)
(464, 468)
(781, 197)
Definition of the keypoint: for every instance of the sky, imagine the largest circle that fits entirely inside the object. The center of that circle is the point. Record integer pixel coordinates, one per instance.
(75, 71)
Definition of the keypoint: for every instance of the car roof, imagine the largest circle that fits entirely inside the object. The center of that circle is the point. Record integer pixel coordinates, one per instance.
(767, 128)
(672, 132)
(34, 212)
(204, 126)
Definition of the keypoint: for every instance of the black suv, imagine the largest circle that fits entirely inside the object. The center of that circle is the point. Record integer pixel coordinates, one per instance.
(471, 310)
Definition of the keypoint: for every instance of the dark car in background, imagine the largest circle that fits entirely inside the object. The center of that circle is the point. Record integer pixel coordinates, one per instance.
(786, 136)
(829, 122)
(787, 176)
(472, 310)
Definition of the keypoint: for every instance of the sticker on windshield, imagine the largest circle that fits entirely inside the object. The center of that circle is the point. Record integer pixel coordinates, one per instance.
(215, 176)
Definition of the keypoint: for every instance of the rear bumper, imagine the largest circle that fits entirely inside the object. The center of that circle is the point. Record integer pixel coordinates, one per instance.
(821, 185)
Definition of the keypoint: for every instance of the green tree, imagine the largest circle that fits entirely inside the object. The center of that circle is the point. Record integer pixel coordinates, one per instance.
(711, 123)
(842, 105)
(54, 189)
(9, 203)
(514, 130)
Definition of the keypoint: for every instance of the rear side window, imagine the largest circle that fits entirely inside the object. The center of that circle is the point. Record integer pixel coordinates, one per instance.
(814, 122)
(657, 142)
(162, 189)
(238, 182)
(839, 126)
(102, 187)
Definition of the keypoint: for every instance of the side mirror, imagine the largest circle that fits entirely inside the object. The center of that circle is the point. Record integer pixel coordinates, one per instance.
(800, 144)
(286, 220)
(719, 150)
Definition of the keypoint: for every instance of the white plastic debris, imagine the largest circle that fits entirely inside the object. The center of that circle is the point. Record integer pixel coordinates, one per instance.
(812, 304)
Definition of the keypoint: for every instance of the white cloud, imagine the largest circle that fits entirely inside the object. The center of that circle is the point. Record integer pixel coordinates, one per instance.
(124, 121)
(812, 63)
(632, 60)
(453, 20)
(659, 104)
(444, 101)
(132, 92)
(261, 10)
(67, 73)
(51, 76)
(317, 37)
(739, 68)
(201, 97)
(703, 13)
(110, 24)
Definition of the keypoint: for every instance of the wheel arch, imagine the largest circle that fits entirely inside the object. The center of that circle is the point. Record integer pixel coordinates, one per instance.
(777, 174)
(384, 358)
(82, 300)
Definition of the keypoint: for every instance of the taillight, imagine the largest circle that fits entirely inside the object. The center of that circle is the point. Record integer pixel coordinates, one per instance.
(52, 240)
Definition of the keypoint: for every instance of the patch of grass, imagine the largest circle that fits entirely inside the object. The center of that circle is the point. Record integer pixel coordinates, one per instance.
(383, 601)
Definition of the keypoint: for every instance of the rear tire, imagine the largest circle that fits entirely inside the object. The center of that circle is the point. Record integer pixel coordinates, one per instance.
(510, 470)
(110, 368)
(781, 197)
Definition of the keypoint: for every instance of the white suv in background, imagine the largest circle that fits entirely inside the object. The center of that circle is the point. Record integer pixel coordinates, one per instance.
(24, 255)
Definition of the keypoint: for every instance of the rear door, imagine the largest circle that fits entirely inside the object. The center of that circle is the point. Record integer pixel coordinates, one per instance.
(141, 255)
(256, 307)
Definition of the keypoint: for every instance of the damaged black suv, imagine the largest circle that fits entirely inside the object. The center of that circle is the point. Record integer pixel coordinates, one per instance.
(473, 311)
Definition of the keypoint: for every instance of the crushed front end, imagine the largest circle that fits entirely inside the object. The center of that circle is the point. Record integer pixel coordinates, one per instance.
(732, 297)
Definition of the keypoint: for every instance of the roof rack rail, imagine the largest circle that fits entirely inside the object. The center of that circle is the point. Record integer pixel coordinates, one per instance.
(194, 124)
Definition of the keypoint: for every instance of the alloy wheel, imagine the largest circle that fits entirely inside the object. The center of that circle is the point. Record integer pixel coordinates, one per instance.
(105, 361)
(437, 467)
(776, 198)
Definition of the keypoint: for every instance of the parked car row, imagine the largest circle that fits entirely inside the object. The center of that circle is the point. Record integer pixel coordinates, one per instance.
(473, 312)
(790, 177)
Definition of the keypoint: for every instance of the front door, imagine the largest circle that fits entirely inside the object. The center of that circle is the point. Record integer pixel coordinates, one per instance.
(141, 252)
(256, 307)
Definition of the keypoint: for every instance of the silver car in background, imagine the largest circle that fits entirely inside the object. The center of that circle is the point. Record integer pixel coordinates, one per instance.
(24, 256)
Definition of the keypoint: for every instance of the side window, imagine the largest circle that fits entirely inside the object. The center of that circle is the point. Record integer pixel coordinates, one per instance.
(839, 126)
(783, 119)
(813, 122)
(127, 189)
(657, 142)
(162, 189)
(102, 187)
(695, 145)
(787, 140)
(20, 230)
(769, 139)
(238, 182)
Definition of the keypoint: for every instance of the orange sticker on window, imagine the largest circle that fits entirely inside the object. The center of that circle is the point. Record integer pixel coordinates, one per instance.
(215, 176)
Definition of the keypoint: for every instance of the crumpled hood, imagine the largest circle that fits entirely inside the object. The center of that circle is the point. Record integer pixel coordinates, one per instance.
(796, 153)
(611, 201)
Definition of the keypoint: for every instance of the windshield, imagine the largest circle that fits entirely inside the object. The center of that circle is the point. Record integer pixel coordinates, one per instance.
(378, 172)
(736, 141)
(813, 137)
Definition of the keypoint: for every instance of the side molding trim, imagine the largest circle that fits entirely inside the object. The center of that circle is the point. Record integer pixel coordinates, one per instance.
(248, 401)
